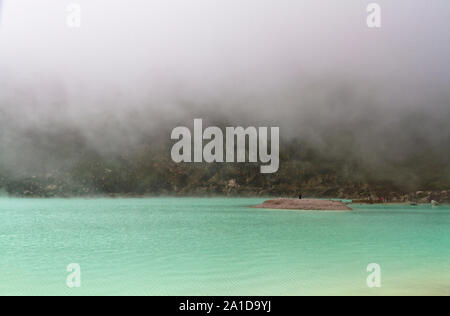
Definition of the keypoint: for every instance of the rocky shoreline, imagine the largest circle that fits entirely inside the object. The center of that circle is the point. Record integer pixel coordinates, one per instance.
(54, 191)
(419, 197)
(112, 185)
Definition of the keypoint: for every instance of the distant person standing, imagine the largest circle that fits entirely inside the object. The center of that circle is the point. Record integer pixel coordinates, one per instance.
(300, 196)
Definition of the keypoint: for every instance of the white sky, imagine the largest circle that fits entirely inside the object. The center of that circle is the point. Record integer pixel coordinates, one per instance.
(196, 35)
(206, 45)
(134, 63)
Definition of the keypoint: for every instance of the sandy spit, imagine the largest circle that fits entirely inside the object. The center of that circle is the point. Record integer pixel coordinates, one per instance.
(305, 204)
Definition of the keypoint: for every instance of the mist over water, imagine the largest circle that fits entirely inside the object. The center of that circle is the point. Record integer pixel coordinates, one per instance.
(133, 72)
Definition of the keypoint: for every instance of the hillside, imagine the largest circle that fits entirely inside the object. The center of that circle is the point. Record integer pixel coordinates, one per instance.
(148, 171)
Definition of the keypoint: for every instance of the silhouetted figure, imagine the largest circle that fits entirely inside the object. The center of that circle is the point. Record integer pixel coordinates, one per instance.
(300, 196)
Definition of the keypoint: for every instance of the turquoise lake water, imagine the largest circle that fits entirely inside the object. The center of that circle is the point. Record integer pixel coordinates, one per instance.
(219, 247)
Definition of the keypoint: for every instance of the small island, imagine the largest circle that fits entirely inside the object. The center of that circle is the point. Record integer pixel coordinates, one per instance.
(305, 204)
